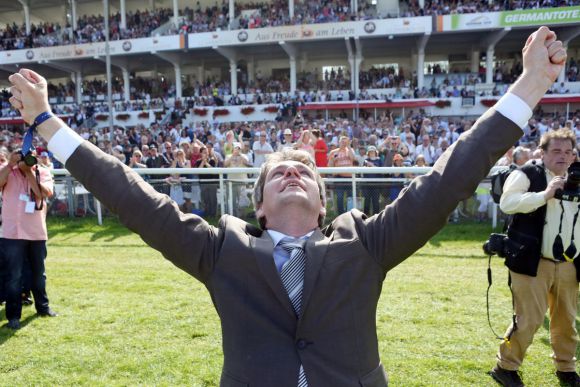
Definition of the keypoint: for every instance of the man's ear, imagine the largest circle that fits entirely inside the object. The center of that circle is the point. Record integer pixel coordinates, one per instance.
(322, 211)
(259, 211)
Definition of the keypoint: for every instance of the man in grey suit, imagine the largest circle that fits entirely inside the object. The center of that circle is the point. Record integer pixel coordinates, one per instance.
(297, 303)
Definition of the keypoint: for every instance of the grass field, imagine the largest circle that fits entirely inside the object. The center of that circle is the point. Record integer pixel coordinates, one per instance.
(128, 317)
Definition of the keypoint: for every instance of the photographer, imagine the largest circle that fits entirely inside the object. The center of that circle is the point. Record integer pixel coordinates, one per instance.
(542, 272)
(24, 189)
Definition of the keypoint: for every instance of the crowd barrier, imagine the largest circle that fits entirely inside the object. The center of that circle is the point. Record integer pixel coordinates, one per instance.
(231, 191)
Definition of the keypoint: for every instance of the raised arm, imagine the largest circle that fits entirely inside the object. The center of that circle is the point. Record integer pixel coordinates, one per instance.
(423, 207)
(187, 240)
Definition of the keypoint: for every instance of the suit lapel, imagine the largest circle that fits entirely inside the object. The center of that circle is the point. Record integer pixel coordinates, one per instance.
(264, 253)
(316, 248)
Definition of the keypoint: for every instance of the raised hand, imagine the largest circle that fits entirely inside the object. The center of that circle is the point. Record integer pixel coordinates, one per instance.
(29, 94)
(544, 58)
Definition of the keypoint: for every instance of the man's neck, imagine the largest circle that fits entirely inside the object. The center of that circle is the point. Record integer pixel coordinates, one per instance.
(287, 222)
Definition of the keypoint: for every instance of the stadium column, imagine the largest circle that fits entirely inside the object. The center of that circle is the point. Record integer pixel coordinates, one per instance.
(352, 62)
(251, 62)
(232, 56)
(79, 87)
(474, 61)
(291, 9)
(175, 60)
(292, 52)
(234, 76)
(200, 73)
(175, 13)
(490, 42)
(26, 9)
(232, 14)
(178, 85)
(421, 44)
(126, 84)
(123, 15)
(73, 14)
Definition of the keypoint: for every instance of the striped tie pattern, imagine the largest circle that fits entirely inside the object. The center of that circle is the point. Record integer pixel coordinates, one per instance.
(292, 275)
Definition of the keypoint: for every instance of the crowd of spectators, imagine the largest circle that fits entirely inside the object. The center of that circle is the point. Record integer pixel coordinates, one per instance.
(90, 28)
(414, 139)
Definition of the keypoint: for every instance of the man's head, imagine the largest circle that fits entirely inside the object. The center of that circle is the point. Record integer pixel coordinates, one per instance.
(520, 155)
(288, 177)
(288, 135)
(558, 150)
(343, 142)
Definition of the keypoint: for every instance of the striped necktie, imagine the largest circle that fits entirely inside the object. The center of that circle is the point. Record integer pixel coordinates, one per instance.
(292, 275)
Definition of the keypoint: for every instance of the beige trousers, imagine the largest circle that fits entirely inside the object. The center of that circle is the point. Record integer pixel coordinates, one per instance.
(556, 288)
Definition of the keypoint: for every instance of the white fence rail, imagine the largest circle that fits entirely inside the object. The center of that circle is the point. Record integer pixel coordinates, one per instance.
(68, 190)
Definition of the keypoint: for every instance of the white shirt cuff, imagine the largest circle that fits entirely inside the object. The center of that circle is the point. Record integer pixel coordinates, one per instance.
(63, 143)
(514, 108)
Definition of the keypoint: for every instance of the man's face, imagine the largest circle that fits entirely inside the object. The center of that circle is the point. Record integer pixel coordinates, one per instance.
(559, 155)
(290, 183)
(343, 142)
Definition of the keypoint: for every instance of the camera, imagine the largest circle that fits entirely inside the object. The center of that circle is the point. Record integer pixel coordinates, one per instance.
(495, 245)
(571, 191)
(28, 158)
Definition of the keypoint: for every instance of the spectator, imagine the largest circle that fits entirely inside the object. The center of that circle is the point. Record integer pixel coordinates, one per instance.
(426, 150)
(208, 183)
(341, 157)
(287, 142)
(372, 191)
(156, 160)
(238, 160)
(24, 233)
(135, 161)
(320, 149)
(305, 143)
(261, 149)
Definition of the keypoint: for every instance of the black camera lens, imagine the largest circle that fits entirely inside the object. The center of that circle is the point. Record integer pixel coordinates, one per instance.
(30, 160)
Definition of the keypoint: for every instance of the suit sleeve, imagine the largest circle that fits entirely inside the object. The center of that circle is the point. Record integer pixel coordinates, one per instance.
(186, 240)
(423, 207)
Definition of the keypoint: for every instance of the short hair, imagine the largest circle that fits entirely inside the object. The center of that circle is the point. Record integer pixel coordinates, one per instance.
(276, 158)
(520, 152)
(560, 134)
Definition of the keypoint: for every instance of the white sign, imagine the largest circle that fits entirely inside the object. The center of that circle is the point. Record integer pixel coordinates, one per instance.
(73, 51)
(325, 31)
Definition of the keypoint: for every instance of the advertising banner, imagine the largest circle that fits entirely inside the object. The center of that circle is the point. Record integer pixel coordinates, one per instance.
(520, 18)
(401, 26)
(91, 50)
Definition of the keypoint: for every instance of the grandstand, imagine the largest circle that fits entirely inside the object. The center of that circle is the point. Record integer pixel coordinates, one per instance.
(327, 59)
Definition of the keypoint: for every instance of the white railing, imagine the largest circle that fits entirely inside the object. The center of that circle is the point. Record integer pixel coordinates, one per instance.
(226, 185)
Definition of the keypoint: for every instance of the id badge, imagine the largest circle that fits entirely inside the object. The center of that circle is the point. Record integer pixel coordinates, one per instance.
(24, 197)
(30, 206)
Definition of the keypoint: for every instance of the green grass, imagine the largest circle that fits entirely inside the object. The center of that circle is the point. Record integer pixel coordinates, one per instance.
(128, 317)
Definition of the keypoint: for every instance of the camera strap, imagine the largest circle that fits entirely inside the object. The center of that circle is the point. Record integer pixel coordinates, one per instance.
(508, 337)
(37, 207)
(558, 247)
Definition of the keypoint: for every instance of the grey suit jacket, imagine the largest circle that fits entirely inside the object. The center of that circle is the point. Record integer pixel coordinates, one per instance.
(335, 336)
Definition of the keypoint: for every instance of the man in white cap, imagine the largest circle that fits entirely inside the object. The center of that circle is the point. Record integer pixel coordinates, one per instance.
(286, 141)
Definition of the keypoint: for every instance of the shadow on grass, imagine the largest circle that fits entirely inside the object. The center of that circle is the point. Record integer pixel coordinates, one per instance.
(6, 333)
(110, 230)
